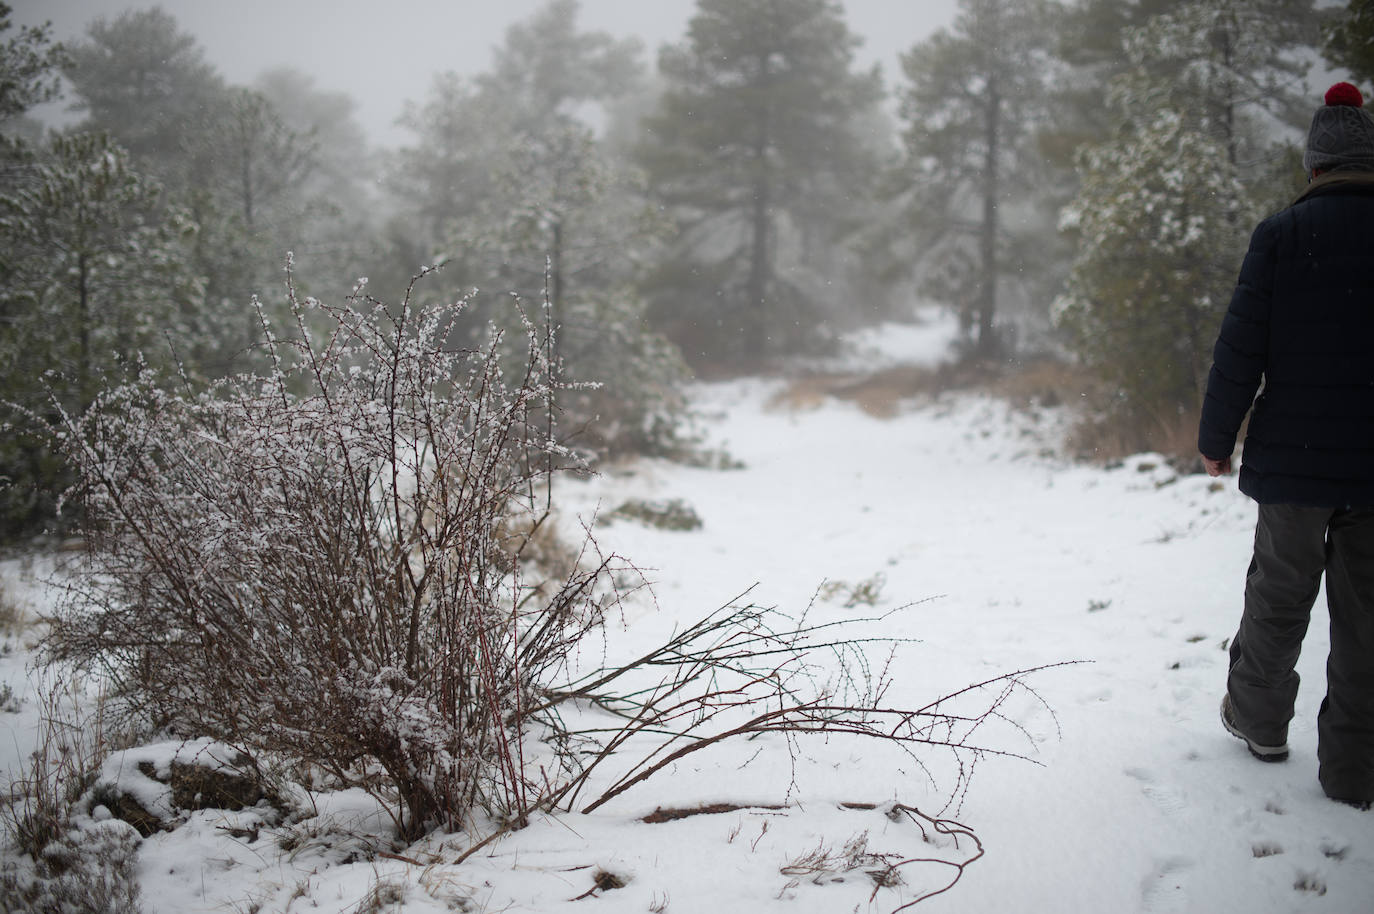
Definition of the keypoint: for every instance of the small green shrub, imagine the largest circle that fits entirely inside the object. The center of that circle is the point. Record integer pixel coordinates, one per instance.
(672, 514)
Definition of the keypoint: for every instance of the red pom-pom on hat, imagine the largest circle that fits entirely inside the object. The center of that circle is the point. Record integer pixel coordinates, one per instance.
(1344, 94)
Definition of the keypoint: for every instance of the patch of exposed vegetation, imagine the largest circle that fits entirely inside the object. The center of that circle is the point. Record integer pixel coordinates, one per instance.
(669, 514)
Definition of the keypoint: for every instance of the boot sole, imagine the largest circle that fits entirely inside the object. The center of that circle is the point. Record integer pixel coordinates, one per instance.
(1258, 750)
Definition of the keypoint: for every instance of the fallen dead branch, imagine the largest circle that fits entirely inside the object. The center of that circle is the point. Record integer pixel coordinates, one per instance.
(737, 674)
(943, 827)
(660, 814)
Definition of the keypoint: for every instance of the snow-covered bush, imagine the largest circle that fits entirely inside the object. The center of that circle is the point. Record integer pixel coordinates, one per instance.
(326, 565)
(632, 402)
(87, 870)
(56, 858)
(320, 562)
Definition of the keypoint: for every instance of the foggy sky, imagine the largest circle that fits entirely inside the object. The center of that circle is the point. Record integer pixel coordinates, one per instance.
(384, 53)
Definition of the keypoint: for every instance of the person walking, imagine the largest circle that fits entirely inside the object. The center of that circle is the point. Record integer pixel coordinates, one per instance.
(1300, 331)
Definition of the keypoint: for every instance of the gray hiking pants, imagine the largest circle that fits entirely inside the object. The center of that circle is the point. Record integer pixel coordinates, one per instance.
(1294, 545)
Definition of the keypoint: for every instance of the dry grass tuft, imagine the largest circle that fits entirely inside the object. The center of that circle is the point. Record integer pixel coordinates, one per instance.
(1105, 438)
(669, 514)
(1033, 383)
(1042, 382)
(13, 618)
(879, 394)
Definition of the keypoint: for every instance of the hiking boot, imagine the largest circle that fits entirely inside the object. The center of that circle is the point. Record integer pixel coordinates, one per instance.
(1258, 750)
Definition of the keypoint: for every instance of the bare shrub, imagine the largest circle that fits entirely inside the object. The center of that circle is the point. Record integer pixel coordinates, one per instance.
(313, 562)
(42, 796)
(325, 563)
(70, 864)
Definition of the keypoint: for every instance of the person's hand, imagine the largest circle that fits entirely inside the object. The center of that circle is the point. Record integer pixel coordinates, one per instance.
(1217, 467)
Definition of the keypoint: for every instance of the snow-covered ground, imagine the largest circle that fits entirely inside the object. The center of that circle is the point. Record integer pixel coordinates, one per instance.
(1010, 557)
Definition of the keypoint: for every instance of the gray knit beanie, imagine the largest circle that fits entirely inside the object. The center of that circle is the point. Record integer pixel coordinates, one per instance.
(1342, 132)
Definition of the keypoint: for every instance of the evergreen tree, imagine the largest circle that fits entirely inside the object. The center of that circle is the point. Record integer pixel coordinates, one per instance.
(344, 167)
(1349, 40)
(445, 174)
(1158, 240)
(531, 100)
(1094, 43)
(333, 203)
(29, 474)
(757, 149)
(566, 225)
(92, 273)
(1167, 201)
(517, 194)
(30, 65)
(94, 268)
(147, 84)
(977, 94)
(226, 153)
(1091, 44)
(547, 67)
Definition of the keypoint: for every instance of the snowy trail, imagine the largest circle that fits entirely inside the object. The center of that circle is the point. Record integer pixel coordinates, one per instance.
(1144, 803)
(1011, 558)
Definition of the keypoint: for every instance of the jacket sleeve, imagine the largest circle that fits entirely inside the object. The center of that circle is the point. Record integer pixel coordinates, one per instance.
(1241, 352)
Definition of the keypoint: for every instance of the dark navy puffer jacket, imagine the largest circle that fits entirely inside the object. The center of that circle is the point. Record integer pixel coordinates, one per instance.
(1302, 321)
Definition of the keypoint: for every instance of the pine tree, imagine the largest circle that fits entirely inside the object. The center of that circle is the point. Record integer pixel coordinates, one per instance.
(92, 275)
(94, 266)
(518, 195)
(30, 67)
(30, 475)
(547, 67)
(1349, 40)
(344, 165)
(30, 63)
(226, 153)
(1094, 43)
(1167, 201)
(977, 93)
(147, 84)
(529, 103)
(757, 148)
(1159, 235)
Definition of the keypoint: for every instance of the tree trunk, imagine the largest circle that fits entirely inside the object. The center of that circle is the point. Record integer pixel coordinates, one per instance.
(756, 318)
(760, 268)
(987, 288)
(83, 368)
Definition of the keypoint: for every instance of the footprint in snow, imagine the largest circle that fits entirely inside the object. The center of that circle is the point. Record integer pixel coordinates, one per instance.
(1266, 849)
(1310, 883)
(1163, 890)
(1168, 800)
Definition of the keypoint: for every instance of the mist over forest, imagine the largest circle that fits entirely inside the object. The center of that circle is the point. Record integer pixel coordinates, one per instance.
(292, 612)
(1056, 174)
